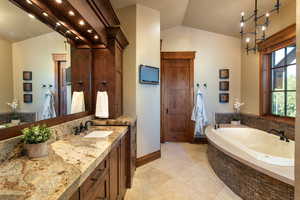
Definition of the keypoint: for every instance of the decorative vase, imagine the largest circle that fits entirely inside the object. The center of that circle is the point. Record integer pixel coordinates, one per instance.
(15, 121)
(37, 150)
(236, 123)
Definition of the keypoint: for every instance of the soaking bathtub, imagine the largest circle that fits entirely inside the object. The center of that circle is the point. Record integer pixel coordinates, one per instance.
(260, 145)
(252, 163)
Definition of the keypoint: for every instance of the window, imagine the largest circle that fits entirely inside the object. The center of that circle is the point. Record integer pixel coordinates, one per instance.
(278, 75)
(283, 81)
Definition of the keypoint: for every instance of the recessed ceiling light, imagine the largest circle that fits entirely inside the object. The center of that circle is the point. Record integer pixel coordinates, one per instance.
(68, 31)
(58, 24)
(58, 1)
(28, 1)
(90, 31)
(81, 22)
(77, 38)
(45, 14)
(96, 37)
(71, 13)
(31, 16)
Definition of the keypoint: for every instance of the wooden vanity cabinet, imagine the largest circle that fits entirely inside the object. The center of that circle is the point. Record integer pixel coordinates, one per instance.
(118, 169)
(108, 180)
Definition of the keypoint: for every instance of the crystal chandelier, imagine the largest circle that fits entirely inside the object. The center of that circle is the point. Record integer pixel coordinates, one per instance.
(261, 23)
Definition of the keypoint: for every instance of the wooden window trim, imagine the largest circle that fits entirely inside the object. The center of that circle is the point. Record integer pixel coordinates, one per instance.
(277, 41)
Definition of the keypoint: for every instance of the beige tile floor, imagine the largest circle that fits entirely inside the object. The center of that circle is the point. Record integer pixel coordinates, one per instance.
(183, 173)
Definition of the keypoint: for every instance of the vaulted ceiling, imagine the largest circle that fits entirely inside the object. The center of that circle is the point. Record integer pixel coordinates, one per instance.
(220, 16)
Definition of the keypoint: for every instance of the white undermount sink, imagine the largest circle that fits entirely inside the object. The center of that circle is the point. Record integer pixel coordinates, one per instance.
(98, 134)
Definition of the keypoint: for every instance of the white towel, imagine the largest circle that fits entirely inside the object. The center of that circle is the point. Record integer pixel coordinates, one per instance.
(78, 104)
(49, 107)
(102, 105)
(199, 114)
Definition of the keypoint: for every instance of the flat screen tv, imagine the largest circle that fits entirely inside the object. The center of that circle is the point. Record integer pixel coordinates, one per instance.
(149, 75)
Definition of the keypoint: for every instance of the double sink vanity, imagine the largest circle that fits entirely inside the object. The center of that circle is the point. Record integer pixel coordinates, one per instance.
(74, 46)
(95, 165)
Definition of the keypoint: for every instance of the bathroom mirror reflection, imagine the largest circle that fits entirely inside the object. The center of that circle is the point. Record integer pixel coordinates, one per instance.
(35, 69)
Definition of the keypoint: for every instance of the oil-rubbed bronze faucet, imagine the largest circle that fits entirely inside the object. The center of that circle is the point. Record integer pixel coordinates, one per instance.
(281, 134)
(86, 125)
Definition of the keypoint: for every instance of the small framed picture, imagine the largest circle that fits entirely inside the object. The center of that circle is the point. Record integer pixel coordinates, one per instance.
(27, 75)
(224, 86)
(224, 74)
(27, 87)
(224, 98)
(27, 98)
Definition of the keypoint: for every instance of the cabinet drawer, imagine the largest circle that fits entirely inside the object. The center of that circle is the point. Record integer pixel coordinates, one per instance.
(91, 181)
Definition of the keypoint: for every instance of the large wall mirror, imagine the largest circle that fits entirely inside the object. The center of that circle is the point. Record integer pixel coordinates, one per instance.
(35, 70)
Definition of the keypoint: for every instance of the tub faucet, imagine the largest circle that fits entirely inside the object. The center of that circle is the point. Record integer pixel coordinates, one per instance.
(281, 134)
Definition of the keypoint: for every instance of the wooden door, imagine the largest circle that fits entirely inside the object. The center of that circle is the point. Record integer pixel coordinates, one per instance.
(177, 95)
(62, 89)
(60, 67)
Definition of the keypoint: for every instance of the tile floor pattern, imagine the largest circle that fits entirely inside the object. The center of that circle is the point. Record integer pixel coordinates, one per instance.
(183, 173)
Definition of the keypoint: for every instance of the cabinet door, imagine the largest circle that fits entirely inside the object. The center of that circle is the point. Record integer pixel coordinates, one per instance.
(75, 196)
(102, 189)
(123, 166)
(114, 173)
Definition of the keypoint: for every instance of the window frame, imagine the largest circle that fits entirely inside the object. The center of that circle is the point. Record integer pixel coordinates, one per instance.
(282, 39)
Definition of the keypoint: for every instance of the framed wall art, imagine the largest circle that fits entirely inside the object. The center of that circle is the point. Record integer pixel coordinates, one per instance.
(27, 75)
(224, 98)
(27, 87)
(27, 98)
(224, 73)
(224, 86)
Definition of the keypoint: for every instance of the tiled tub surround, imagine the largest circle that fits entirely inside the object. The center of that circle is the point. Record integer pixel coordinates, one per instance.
(71, 160)
(246, 176)
(257, 122)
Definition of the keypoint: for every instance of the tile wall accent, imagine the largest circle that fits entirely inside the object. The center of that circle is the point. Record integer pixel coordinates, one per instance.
(245, 181)
(13, 147)
(257, 122)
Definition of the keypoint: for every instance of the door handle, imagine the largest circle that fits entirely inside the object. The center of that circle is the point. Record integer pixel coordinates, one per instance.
(167, 111)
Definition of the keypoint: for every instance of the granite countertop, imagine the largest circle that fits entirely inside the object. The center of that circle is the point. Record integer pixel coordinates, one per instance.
(71, 160)
(123, 120)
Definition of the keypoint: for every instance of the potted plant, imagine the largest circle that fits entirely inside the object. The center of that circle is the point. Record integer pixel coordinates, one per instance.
(35, 140)
(236, 120)
(14, 117)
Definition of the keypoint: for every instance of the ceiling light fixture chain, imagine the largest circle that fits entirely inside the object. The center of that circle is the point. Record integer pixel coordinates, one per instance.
(258, 25)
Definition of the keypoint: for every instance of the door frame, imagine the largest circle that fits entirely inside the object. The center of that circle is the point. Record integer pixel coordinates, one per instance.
(188, 55)
(57, 58)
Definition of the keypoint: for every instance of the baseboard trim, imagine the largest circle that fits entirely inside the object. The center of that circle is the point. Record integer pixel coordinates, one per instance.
(148, 158)
(200, 140)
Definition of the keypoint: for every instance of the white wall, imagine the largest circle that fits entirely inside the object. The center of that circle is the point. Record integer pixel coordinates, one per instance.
(35, 55)
(142, 27)
(213, 52)
(148, 96)
(128, 18)
(6, 80)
